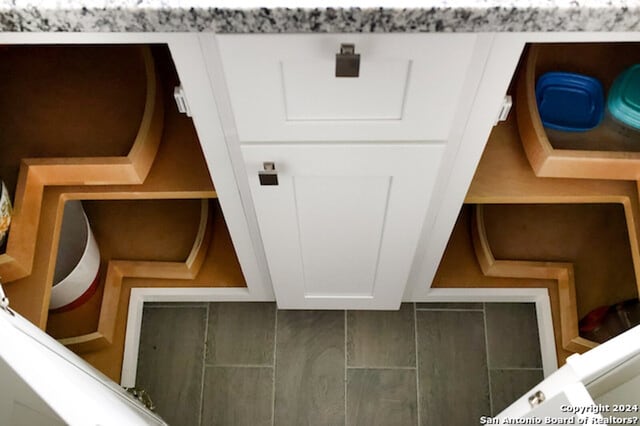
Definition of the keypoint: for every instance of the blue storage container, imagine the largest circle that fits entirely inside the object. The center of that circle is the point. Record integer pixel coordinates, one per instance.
(569, 102)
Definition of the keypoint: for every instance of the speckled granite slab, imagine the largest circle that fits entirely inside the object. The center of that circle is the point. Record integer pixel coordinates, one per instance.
(244, 16)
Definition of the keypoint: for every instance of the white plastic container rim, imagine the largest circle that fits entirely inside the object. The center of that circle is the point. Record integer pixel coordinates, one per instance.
(82, 278)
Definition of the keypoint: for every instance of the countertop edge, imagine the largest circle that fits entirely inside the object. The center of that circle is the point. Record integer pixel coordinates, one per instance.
(320, 20)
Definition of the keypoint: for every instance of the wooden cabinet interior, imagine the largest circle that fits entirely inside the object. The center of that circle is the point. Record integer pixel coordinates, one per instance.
(36, 173)
(123, 230)
(171, 173)
(593, 237)
(508, 180)
(56, 114)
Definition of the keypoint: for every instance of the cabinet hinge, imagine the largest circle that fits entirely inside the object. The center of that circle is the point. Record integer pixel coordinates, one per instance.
(181, 101)
(4, 301)
(505, 107)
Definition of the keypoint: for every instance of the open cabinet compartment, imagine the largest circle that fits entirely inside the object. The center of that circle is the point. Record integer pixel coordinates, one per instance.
(585, 247)
(152, 187)
(601, 153)
(593, 237)
(507, 177)
(122, 229)
(57, 134)
(182, 252)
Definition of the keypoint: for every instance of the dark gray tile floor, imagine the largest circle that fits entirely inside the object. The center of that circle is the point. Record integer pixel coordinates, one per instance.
(249, 364)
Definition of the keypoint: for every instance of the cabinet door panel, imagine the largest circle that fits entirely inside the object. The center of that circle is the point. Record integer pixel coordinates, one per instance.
(341, 227)
(345, 214)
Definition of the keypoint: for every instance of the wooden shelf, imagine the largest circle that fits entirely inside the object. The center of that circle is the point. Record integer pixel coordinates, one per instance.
(504, 176)
(459, 268)
(598, 154)
(220, 268)
(135, 230)
(586, 246)
(593, 237)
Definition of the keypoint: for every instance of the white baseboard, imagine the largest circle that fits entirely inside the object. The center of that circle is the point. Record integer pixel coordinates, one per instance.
(140, 295)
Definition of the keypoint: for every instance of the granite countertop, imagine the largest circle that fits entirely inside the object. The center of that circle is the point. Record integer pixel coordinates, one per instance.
(289, 16)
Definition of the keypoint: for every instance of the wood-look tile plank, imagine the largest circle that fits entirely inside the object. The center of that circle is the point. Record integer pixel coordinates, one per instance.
(237, 396)
(452, 367)
(509, 385)
(170, 361)
(512, 335)
(381, 338)
(310, 362)
(381, 397)
(241, 333)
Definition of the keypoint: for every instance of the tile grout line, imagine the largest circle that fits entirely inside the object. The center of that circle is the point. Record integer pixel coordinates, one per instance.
(449, 309)
(239, 365)
(204, 365)
(374, 367)
(517, 368)
(415, 335)
(273, 387)
(486, 348)
(345, 367)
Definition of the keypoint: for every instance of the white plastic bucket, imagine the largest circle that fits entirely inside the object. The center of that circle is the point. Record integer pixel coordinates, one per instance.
(78, 261)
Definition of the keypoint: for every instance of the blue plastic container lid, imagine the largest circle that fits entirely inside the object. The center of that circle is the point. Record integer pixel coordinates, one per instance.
(624, 97)
(569, 102)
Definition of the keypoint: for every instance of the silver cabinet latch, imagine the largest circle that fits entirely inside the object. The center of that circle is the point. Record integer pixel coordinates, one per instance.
(505, 108)
(181, 100)
(268, 177)
(347, 61)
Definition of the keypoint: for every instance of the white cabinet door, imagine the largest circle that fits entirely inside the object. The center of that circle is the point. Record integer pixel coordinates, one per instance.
(601, 386)
(341, 227)
(42, 382)
(560, 399)
(283, 88)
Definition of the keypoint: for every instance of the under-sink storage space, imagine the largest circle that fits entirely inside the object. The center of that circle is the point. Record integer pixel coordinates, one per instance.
(608, 151)
(546, 212)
